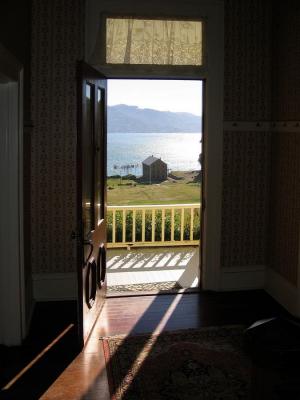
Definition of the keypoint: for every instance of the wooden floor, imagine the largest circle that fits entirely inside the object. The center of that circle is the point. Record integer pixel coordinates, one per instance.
(85, 377)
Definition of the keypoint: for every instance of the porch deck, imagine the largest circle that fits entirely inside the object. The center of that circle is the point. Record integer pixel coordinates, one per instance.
(163, 267)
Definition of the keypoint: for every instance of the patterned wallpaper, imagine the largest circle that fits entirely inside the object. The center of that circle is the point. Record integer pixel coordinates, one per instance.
(246, 154)
(247, 77)
(285, 204)
(285, 193)
(57, 42)
(57, 37)
(245, 198)
(286, 52)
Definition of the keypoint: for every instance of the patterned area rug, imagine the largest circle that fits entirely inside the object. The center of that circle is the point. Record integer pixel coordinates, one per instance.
(207, 363)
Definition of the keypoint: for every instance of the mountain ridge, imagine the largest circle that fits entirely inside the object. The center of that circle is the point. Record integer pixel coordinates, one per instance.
(122, 118)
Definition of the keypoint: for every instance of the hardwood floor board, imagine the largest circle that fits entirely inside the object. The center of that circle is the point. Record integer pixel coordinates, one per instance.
(94, 344)
(85, 374)
(63, 374)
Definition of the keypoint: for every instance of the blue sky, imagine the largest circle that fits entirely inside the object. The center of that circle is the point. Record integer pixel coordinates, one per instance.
(163, 95)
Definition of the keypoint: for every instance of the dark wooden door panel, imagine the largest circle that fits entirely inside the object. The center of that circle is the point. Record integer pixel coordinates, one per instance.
(91, 197)
(94, 286)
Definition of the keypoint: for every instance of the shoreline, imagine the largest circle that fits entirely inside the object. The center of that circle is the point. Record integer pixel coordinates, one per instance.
(133, 176)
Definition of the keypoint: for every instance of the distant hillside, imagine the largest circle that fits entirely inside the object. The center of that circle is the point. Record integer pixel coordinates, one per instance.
(131, 119)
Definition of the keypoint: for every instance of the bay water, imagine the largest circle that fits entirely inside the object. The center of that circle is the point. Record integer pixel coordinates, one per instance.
(179, 150)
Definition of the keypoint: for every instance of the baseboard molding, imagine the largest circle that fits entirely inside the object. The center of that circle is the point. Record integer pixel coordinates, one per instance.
(54, 287)
(283, 291)
(242, 278)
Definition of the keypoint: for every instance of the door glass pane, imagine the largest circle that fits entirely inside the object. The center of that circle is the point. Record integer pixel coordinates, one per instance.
(87, 164)
(99, 167)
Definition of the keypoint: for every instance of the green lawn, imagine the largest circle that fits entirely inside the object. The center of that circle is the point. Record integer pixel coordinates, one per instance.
(180, 188)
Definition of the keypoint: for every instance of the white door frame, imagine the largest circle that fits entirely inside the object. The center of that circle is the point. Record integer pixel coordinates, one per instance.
(212, 12)
(12, 283)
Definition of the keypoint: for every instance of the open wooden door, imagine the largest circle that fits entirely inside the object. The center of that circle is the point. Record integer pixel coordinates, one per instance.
(91, 197)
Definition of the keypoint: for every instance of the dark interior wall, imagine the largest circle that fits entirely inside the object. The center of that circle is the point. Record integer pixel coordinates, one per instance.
(252, 49)
(245, 200)
(246, 144)
(57, 44)
(247, 79)
(15, 20)
(286, 61)
(15, 27)
(285, 186)
(15, 36)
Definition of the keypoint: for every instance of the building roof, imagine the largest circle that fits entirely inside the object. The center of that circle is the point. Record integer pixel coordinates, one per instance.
(150, 160)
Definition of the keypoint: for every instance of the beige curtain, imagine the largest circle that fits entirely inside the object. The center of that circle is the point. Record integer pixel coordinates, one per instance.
(161, 42)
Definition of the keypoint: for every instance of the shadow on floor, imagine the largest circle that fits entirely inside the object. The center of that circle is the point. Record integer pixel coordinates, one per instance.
(49, 320)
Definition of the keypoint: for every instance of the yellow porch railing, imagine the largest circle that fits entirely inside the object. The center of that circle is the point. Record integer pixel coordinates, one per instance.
(153, 225)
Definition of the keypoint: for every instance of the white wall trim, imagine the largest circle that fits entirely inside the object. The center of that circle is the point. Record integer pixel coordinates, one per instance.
(11, 215)
(24, 323)
(12, 285)
(54, 287)
(242, 278)
(283, 291)
(213, 149)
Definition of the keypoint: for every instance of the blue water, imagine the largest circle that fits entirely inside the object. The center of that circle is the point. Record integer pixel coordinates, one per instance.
(179, 150)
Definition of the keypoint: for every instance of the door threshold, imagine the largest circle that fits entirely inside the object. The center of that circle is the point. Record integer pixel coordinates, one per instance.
(110, 295)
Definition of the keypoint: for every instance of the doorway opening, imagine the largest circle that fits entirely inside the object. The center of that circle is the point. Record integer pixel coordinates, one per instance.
(154, 185)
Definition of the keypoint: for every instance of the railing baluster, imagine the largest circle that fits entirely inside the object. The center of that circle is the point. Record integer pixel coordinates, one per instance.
(124, 227)
(119, 225)
(182, 224)
(153, 226)
(192, 225)
(143, 224)
(133, 225)
(114, 227)
(172, 225)
(163, 216)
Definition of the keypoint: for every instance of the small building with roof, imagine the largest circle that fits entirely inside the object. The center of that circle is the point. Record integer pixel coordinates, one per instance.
(154, 169)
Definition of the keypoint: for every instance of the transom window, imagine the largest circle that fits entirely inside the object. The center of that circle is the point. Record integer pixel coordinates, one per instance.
(154, 41)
